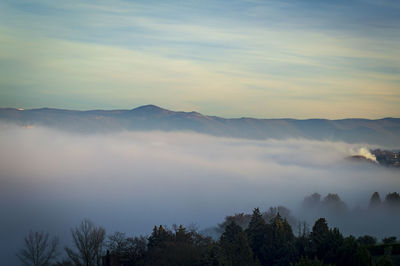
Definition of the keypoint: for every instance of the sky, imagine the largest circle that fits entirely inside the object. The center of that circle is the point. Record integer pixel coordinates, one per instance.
(264, 59)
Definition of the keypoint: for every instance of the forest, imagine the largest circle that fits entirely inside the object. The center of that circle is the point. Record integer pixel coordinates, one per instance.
(260, 238)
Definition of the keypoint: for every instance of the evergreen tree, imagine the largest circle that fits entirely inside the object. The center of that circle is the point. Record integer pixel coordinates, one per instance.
(235, 247)
(375, 200)
(256, 235)
(333, 243)
(319, 236)
(213, 256)
(159, 237)
(282, 251)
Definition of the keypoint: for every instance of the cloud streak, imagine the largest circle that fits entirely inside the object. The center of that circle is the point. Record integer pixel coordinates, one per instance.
(281, 55)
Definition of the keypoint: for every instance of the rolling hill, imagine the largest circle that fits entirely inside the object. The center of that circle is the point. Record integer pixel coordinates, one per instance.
(384, 132)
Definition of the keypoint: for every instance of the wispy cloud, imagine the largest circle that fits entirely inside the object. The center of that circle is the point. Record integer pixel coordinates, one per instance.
(214, 57)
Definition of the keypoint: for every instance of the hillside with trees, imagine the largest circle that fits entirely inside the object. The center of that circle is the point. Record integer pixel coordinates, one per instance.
(273, 237)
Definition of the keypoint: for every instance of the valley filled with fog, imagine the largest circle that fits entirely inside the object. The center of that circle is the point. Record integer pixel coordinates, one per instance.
(129, 181)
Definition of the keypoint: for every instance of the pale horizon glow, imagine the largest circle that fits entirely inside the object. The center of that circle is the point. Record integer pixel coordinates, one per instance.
(263, 59)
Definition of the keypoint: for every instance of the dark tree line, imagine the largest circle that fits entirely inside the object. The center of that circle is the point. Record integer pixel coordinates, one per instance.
(260, 238)
(334, 203)
(392, 200)
(261, 243)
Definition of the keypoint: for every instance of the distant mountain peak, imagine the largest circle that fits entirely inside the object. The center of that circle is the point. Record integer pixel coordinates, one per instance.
(150, 110)
(149, 107)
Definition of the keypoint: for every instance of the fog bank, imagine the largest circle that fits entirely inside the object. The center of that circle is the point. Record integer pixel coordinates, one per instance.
(129, 181)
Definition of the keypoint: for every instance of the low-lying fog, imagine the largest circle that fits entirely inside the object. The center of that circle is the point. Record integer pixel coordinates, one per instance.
(130, 181)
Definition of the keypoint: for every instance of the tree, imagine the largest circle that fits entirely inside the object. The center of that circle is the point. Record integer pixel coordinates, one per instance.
(347, 254)
(136, 248)
(213, 256)
(332, 244)
(366, 240)
(308, 262)
(281, 249)
(375, 200)
(334, 203)
(235, 247)
(177, 247)
(312, 201)
(389, 240)
(125, 250)
(159, 237)
(385, 261)
(240, 219)
(303, 229)
(88, 240)
(319, 236)
(283, 212)
(117, 244)
(256, 234)
(39, 249)
(393, 199)
(64, 262)
(363, 257)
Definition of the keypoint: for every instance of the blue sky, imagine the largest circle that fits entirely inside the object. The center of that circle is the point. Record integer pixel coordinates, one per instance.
(300, 59)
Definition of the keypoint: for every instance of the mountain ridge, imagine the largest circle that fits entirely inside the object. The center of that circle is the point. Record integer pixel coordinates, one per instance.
(383, 131)
(155, 107)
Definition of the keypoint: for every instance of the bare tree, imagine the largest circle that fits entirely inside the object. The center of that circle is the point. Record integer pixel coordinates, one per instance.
(126, 249)
(117, 244)
(39, 250)
(88, 240)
